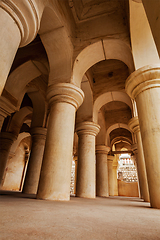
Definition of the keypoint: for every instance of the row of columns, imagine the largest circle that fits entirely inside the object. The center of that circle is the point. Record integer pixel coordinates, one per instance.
(64, 99)
(54, 180)
(105, 171)
(143, 85)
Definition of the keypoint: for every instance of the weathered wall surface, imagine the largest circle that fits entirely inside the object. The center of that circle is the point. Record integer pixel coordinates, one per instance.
(128, 189)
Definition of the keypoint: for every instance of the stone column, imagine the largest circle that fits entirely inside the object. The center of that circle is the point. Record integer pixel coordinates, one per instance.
(6, 141)
(75, 176)
(115, 178)
(110, 175)
(144, 86)
(26, 158)
(19, 24)
(140, 180)
(55, 177)
(102, 171)
(87, 132)
(134, 126)
(135, 159)
(34, 165)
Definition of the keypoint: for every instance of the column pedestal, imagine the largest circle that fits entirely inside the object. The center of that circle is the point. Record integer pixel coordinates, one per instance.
(110, 175)
(102, 171)
(34, 166)
(144, 86)
(6, 141)
(87, 131)
(55, 177)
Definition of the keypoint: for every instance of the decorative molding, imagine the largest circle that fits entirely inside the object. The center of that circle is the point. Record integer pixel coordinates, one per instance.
(65, 92)
(143, 79)
(102, 149)
(87, 128)
(26, 16)
(134, 124)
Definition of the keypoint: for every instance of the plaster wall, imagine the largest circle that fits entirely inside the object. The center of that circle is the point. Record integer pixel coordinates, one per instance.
(128, 189)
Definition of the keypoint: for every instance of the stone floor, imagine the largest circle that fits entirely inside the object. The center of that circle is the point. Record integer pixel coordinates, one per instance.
(23, 217)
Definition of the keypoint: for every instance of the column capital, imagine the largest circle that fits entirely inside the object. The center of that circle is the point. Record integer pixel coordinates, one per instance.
(142, 79)
(6, 138)
(39, 132)
(26, 14)
(89, 128)
(134, 124)
(133, 158)
(110, 158)
(115, 166)
(134, 148)
(6, 108)
(65, 92)
(103, 149)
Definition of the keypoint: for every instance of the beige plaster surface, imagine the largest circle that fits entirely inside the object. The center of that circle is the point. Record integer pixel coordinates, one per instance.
(128, 189)
(99, 219)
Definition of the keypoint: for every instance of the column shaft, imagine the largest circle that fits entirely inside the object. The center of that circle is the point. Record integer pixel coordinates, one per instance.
(75, 176)
(101, 171)
(87, 132)
(140, 178)
(115, 180)
(144, 86)
(110, 175)
(142, 168)
(6, 141)
(35, 161)
(55, 175)
(149, 119)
